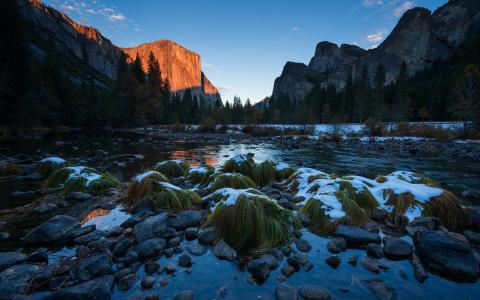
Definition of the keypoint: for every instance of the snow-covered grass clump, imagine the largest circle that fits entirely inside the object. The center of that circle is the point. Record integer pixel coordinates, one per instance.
(81, 179)
(330, 200)
(46, 166)
(246, 218)
(200, 174)
(231, 180)
(240, 163)
(172, 168)
(142, 185)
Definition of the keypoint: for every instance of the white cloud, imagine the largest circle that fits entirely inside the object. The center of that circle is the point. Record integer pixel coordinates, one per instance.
(376, 37)
(373, 46)
(402, 8)
(371, 3)
(207, 65)
(295, 28)
(116, 17)
(224, 89)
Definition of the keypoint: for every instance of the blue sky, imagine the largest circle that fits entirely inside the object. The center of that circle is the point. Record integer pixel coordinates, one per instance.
(243, 44)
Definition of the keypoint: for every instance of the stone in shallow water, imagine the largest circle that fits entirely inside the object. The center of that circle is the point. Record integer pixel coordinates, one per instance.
(375, 250)
(207, 235)
(196, 249)
(379, 289)
(145, 229)
(127, 282)
(337, 245)
(147, 282)
(185, 261)
(224, 251)
(191, 233)
(16, 279)
(150, 248)
(99, 289)
(188, 218)
(151, 267)
(94, 266)
(285, 292)
(333, 261)
(447, 253)
(185, 295)
(353, 260)
(396, 248)
(311, 292)
(259, 270)
(90, 237)
(8, 259)
(303, 245)
(357, 237)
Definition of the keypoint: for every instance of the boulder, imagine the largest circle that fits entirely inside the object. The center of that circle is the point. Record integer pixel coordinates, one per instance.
(184, 295)
(375, 250)
(224, 251)
(8, 259)
(259, 270)
(379, 289)
(395, 248)
(126, 282)
(146, 229)
(188, 218)
(285, 292)
(207, 235)
(58, 228)
(311, 292)
(94, 266)
(333, 261)
(90, 237)
(185, 261)
(16, 279)
(447, 253)
(150, 248)
(357, 237)
(96, 289)
(191, 233)
(194, 248)
(147, 282)
(337, 245)
(472, 236)
(419, 271)
(303, 245)
(78, 196)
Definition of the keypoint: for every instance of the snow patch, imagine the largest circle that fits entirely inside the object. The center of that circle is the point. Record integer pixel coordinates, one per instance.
(53, 160)
(142, 176)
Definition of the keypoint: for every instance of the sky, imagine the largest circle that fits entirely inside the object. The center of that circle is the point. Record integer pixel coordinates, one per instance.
(243, 44)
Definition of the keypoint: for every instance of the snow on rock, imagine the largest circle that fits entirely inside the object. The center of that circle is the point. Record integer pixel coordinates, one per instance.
(169, 186)
(281, 166)
(142, 176)
(177, 161)
(239, 159)
(53, 160)
(201, 170)
(229, 196)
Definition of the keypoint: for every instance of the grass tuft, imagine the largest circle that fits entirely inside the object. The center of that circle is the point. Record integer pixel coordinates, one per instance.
(200, 177)
(362, 198)
(449, 211)
(264, 173)
(234, 181)
(253, 222)
(245, 167)
(400, 203)
(136, 190)
(172, 168)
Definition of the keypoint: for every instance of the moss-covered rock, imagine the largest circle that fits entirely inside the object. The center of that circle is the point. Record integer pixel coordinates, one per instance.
(231, 180)
(199, 175)
(241, 163)
(172, 168)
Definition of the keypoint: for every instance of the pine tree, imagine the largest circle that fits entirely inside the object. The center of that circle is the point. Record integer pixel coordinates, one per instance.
(137, 70)
(153, 72)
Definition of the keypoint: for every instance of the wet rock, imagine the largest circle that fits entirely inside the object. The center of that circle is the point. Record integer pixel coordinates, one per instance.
(259, 270)
(471, 194)
(311, 292)
(303, 245)
(207, 235)
(288, 271)
(379, 215)
(58, 228)
(196, 249)
(277, 253)
(83, 231)
(170, 268)
(127, 282)
(337, 245)
(166, 233)
(16, 279)
(185, 261)
(301, 258)
(184, 295)
(402, 274)
(426, 222)
(151, 267)
(38, 256)
(174, 242)
(293, 263)
(371, 265)
(8, 259)
(353, 261)
(447, 253)
(114, 232)
(395, 248)
(98, 289)
(307, 266)
(286, 250)
(122, 273)
(93, 267)
(130, 258)
(357, 237)
(188, 218)
(285, 292)
(90, 237)
(381, 290)
(145, 229)
(191, 233)
(333, 261)
(168, 252)
(224, 251)
(150, 248)
(472, 236)
(147, 282)
(121, 248)
(375, 250)
(45, 208)
(78, 196)
(303, 218)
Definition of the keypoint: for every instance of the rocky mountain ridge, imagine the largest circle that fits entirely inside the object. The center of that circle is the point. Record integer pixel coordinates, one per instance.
(179, 65)
(420, 38)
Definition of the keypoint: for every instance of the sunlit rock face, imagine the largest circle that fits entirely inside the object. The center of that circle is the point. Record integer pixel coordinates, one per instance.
(54, 29)
(420, 38)
(179, 65)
